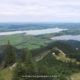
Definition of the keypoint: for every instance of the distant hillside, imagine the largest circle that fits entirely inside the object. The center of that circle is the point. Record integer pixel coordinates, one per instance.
(70, 48)
(59, 67)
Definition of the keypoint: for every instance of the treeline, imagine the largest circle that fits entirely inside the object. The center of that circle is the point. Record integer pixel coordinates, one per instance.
(70, 50)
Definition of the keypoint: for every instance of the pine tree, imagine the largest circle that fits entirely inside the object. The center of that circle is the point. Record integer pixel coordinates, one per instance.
(31, 66)
(19, 72)
(26, 66)
(26, 56)
(10, 57)
(23, 55)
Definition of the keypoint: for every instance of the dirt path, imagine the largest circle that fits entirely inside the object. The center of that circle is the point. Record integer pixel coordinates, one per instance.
(41, 56)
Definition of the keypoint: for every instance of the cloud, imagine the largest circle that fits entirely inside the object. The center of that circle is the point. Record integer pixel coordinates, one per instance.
(39, 9)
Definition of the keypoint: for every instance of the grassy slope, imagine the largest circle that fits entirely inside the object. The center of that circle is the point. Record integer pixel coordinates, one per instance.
(62, 57)
(75, 76)
(6, 74)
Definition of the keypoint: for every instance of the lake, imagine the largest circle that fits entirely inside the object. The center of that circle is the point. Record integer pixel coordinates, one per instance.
(67, 37)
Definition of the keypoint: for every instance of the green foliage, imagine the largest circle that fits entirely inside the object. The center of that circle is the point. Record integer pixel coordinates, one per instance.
(10, 57)
(59, 68)
(26, 66)
(23, 56)
(19, 71)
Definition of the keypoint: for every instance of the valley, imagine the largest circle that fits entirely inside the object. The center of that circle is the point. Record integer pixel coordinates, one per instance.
(40, 49)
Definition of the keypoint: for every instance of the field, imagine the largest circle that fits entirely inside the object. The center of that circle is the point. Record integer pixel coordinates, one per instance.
(22, 41)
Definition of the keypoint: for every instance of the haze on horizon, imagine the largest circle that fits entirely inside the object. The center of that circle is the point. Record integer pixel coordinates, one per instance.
(39, 10)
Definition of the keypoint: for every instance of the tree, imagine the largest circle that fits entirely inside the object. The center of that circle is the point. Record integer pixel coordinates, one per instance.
(25, 66)
(23, 55)
(10, 57)
(31, 66)
(19, 72)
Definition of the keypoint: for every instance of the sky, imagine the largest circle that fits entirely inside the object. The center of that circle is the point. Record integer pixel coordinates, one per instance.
(39, 10)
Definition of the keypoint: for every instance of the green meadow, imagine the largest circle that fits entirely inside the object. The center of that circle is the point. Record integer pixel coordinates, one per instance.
(23, 41)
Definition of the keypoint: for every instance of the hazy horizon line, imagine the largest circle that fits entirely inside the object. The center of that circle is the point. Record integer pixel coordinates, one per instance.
(41, 22)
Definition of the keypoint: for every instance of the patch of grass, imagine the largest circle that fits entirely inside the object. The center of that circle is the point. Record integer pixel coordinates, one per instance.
(6, 74)
(75, 76)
